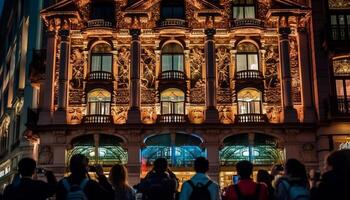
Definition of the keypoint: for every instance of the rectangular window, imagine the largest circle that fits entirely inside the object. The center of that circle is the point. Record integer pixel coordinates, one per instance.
(241, 62)
(253, 62)
(249, 12)
(238, 12)
(178, 63)
(95, 63)
(166, 62)
(101, 63)
(107, 63)
(340, 88)
(340, 27)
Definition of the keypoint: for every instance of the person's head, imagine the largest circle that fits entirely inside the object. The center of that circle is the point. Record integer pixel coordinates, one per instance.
(26, 167)
(295, 170)
(244, 169)
(117, 175)
(201, 165)
(263, 176)
(339, 161)
(160, 165)
(78, 165)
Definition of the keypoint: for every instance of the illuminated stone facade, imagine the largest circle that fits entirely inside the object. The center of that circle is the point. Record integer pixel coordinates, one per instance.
(130, 81)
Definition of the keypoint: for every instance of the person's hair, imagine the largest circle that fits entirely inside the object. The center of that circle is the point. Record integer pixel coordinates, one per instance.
(201, 165)
(26, 166)
(160, 165)
(244, 169)
(78, 165)
(340, 161)
(263, 176)
(117, 176)
(296, 171)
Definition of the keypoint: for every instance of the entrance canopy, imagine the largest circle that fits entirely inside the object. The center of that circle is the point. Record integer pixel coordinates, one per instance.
(103, 149)
(258, 148)
(179, 149)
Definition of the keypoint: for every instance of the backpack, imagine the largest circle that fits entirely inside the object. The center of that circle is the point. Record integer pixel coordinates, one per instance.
(296, 191)
(75, 192)
(255, 196)
(200, 191)
(159, 188)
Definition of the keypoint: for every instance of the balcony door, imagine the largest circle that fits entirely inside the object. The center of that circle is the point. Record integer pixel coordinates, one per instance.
(249, 101)
(99, 102)
(172, 58)
(172, 102)
(101, 58)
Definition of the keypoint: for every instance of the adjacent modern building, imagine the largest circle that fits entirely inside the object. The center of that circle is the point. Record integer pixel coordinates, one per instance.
(128, 81)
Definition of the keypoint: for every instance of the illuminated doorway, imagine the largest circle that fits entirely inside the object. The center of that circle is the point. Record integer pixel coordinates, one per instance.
(262, 150)
(179, 149)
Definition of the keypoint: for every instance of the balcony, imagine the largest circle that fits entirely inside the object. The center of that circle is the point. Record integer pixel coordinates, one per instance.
(172, 23)
(251, 118)
(173, 75)
(171, 118)
(343, 105)
(100, 76)
(99, 23)
(97, 119)
(249, 74)
(249, 22)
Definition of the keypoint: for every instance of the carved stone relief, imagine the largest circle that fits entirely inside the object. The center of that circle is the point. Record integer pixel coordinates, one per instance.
(196, 115)
(339, 4)
(223, 66)
(75, 114)
(57, 69)
(225, 114)
(197, 93)
(148, 115)
(273, 113)
(123, 63)
(341, 67)
(77, 60)
(196, 64)
(121, 96)
(148, 65)
(120, 114)
(272, 81)
(294, 68)
(45, 155)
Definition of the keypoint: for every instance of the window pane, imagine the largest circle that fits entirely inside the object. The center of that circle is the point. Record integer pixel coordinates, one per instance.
(166, 62)
(166, 108)
(257, 107)
(178, 63)
(249, 12)
(241, 62)
(253, 62)
(179, 108)
(341, 19)
(107, 63)
(333, 19)
(238, 12)
(242, 107)
(340, 88)
(347, 89)
(95, 63)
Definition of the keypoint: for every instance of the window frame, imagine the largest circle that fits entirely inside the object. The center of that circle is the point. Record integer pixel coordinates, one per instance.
(173, 104)
(339, 27)
(101, 55)
(243, 6)
(99, 105)
(346, 94)
(247, 61)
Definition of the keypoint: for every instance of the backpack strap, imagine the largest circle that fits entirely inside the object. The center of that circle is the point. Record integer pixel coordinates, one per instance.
(66, 184)
(208, 183)
(238, 192)
(83, 183)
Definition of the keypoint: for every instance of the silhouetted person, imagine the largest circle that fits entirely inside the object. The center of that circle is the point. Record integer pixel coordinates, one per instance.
(28, 189)
(264, 177)
(200, 186)
(246, 188)
(79, 185)
(117, 177)
(160, 183)
(294, 184)
(334, 182)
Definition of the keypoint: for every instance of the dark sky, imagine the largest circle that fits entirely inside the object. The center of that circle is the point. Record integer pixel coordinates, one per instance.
(1, 5)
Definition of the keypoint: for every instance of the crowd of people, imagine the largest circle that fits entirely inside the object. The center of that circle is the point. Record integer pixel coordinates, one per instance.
(285, 182)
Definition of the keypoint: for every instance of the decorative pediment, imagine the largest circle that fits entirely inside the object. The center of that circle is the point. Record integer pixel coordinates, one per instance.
(287, 4)
(66, 7)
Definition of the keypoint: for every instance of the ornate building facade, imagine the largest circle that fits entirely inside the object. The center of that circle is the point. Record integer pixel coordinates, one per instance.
(130, 81)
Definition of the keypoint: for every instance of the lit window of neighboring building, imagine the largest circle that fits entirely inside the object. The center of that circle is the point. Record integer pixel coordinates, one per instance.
(243, 9)
(99, 102)
(341, 70)
(247, 57)
(172, 57)
(340, 26)
(101, 58)
(172, 102)
(172, 9)
(249, 101)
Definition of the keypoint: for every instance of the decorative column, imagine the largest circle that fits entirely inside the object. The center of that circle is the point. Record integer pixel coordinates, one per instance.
(212, 146)
(289, 113)
(304, 68)
(134, 160)
(212, 114)
(60, 116)
(134, 115)
(47, 93)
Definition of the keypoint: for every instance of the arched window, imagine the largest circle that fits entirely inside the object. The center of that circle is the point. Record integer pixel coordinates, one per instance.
(173, 9)
(172, 102)
(101, 58)
(99, 102)
(341, 71)
(247, 57)
(249, 101)
(243, 9)
(172, 57)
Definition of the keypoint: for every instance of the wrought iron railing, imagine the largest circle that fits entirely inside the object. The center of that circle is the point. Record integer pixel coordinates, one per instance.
(172, 22)
(249, 74)
(171, 118)
(97, 119)
(100, 75)
(177, 75)
(99, 23)
(249, 22)
(251, 118)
